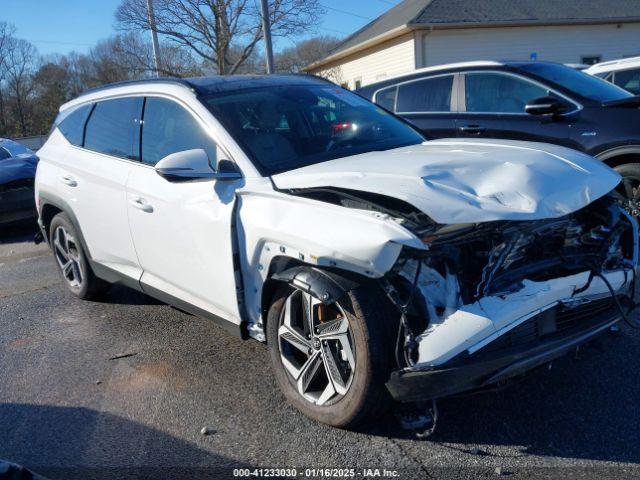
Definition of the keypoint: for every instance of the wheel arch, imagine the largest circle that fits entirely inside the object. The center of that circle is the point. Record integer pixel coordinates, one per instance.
(52, 205)
(614, 157)
(326, 285)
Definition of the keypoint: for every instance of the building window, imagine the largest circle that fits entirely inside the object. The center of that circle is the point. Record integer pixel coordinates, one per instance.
(358, 83)
(590, 59)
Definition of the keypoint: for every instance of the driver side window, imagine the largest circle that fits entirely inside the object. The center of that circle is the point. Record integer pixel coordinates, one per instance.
(169, 128)
(499, 93)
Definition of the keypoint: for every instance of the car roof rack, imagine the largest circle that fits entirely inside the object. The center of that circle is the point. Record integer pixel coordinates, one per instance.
(178, 81)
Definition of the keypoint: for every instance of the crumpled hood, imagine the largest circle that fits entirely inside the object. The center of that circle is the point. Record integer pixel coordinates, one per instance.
(469, 181)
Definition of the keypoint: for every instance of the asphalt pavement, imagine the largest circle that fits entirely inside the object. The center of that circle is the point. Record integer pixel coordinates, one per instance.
(122, 388)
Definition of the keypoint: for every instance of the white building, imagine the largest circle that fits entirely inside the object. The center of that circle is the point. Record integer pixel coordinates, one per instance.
(422, 33)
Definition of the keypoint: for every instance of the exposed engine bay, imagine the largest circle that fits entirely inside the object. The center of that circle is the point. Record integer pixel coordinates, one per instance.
(473, 271)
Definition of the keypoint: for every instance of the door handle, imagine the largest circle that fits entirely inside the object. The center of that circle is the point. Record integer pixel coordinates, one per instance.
(472, 129)
(69, 180)
(141, 204)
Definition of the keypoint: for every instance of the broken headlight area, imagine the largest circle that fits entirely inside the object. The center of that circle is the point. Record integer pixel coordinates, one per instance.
(512, 284)
(402, 212)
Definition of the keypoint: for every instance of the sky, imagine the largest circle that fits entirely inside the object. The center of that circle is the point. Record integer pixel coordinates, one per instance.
(60, 26)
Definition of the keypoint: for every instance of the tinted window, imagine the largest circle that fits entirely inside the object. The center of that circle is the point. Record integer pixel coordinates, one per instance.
(4, 154)
(114, 128)
(286, 127)
(581, 83)
(498, 93)
(428, 95)
(72, 126)
(168, 128)
(387, 98)
(629, 80)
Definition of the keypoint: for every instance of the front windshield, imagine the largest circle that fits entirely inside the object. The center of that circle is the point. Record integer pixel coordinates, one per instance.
(288, 127)
(581, 83)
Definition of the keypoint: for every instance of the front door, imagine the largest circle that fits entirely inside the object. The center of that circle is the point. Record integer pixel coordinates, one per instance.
(182, 232)
(492, 106)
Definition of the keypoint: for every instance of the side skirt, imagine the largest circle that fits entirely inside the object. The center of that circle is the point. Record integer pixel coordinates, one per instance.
(112, 276)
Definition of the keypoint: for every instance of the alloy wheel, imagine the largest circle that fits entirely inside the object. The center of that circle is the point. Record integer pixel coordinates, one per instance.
(316, 348)
(67, 255)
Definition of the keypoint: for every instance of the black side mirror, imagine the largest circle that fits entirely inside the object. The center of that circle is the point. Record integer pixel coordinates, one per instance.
(544, 106)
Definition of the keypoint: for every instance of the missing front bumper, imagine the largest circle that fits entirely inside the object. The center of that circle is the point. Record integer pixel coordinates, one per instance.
(411, 385)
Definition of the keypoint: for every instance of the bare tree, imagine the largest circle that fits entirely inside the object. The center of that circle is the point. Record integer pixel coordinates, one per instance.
(6, 38)
(20, 64)
(214, 29)
(131, 51)
(294, 59)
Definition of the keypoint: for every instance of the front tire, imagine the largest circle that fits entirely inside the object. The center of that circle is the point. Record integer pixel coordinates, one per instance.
(72, 261)
(331, 361)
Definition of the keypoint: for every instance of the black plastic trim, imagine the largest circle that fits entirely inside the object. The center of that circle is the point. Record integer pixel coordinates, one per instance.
(324, 285)
(442, 381)
(238, 330)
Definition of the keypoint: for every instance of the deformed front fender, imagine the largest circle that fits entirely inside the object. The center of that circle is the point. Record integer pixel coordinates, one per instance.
(272, 225)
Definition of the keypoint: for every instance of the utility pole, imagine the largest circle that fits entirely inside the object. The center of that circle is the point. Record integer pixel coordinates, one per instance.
(154, 38)
(266, 29)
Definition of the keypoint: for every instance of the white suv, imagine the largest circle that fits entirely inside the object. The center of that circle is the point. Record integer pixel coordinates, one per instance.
(376, 265)
(625, 73)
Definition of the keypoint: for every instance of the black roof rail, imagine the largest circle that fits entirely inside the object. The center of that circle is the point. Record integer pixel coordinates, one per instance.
(124, 83)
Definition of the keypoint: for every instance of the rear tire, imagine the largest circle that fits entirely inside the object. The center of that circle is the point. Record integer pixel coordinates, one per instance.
(72, 261)
(359, 393)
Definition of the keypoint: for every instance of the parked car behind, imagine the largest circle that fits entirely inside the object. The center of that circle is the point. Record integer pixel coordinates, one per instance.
(625, 73)
(537, 101)
(375, 264)
(17, 173)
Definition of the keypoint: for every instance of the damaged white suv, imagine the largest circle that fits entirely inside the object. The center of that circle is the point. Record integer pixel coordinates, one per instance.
(376, 265)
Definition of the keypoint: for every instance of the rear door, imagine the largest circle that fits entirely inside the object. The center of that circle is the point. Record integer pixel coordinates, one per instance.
(428, 103)
(93, 178)
(182, 231)
(492, 106)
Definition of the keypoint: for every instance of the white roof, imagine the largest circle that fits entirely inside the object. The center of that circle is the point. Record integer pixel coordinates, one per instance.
(614, 65)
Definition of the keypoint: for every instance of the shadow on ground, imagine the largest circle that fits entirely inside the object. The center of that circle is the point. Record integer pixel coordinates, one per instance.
(584, 408)
(77, 443)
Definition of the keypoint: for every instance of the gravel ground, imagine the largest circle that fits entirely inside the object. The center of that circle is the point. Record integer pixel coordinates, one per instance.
(69, 410)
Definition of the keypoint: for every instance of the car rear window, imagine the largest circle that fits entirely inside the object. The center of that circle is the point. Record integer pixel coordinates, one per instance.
(72, 125)
(427, 95)
(114, 128)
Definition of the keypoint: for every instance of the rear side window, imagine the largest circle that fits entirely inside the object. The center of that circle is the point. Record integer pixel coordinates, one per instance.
(499, 93)
(4, 153)
(387, 98)
(629, 80)
(72, 126)
(114, 127)
(428, 95)
(169, 128)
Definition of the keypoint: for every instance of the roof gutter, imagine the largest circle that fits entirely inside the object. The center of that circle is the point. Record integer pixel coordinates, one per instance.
(409, 27)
